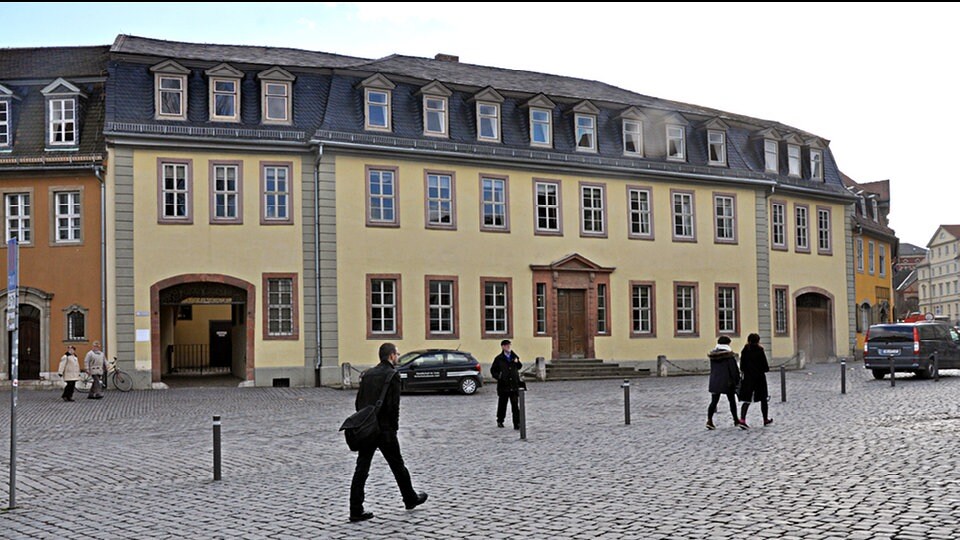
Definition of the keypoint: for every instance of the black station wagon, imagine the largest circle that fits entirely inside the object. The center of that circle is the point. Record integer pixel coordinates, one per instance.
(440, 369)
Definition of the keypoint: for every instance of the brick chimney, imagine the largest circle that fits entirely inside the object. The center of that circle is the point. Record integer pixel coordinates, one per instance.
(446, 57)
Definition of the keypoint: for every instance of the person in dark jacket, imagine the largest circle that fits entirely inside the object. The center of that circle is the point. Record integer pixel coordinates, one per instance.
(724, 376)
(388, 417)
(753, 364)
(506, 370)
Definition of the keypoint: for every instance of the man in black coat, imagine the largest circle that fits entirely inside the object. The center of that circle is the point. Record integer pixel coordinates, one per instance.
(506, 370)
(724, 378)
(388, 416)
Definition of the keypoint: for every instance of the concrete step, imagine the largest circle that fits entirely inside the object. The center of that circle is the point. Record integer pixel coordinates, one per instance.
(632, 375)
(587, 368)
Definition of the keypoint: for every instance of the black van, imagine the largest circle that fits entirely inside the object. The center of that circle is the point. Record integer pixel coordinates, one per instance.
(912, 347)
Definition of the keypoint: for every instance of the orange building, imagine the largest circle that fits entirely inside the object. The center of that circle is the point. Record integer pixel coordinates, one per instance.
(51, 193)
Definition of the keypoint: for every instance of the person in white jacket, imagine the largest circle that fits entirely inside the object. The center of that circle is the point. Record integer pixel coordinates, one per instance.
(69, 371)
(96, 366)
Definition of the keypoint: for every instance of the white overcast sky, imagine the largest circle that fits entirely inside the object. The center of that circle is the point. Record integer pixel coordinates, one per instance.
(878, 80)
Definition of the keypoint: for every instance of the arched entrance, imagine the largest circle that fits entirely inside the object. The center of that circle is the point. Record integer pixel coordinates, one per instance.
(28, 359)
(34, 326)
(815, 324)
(202, 325)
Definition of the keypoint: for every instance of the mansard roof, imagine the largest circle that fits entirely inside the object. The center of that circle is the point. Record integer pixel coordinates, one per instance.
(53, 62)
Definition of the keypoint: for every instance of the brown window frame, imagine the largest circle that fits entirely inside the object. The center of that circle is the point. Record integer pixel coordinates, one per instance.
(52, 193)
(266, 277)
(428, 333)
(398, 311)
(785, 245)
(736, 309)
(829, 249)
(603, 210)
(537, 231)
(264, 220)
(188, 219)
(506, 203)
(796, 229)
(786, 310)
(630, 234)
(716, 228)
(693, 215)
(653, 309)
(396, 196)
(212, 192)
(483, 307)
(696, 310)
(452, 226)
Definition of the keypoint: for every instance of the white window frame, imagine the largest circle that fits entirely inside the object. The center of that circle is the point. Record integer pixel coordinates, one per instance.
(182, 93)
(280, 307)
(547, 125)
(603, 326)
(685, 219)
(382, 289)
(68, 320)
(677, 135)
(550, 211)
(226, 193)
(176, 193)
(882, 259)
(440, 113)
(780, 311)
(72, 218)
(369, 106)
(496, 308)
(640, 209)
(642, 309)
(871, 263)
(269, 96)
(280, 198)
(633, 130)
(771, 156)
(685, 309)
(816, 164)
(490, 117)
(859, 255)
(875, 208)
(593, 218)
(441, 306)
(21, 218)
(439, 204)
(585, 124)
(793, 160)
(778, 220)
(541, 308)
(716, 140)
(802, 217)
(727, 310)
(63, 126)
(375, 201)
(725, 218)
(215, 93)
(495, 206)
(824, 231)
(4, 123)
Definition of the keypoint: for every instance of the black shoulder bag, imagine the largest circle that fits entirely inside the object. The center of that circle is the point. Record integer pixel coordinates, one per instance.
(362, 428)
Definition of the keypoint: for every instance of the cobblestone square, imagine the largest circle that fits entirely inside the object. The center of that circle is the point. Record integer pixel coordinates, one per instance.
(878, 462)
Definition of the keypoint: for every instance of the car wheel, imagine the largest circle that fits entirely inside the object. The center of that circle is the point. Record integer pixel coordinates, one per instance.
(879, 373)
(468, 385)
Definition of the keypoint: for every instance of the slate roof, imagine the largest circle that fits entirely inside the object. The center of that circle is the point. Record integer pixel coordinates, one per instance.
(866, 222)
(329, 107)
(910, 250)
(26, 72)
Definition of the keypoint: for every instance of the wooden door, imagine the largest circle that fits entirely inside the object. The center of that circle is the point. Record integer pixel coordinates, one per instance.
(814, 327)
(221, 344)
(571, 323)
(28, 359)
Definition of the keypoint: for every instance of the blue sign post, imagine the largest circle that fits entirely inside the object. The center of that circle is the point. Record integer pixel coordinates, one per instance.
(13, 308)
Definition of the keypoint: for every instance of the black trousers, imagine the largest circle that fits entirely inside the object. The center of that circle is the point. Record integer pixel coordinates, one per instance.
(96, 388)
(715, 399)
(68, 390)
(514, 408)
(389, 446)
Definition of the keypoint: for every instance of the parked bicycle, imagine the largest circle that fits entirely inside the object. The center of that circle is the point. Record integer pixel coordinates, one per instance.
(121, 380)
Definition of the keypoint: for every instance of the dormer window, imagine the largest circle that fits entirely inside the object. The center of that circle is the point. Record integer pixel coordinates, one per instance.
(676, 143)
(771, 156)
(62, 115)
(586, 132)
(4, 124)
(633, 137)
(717, 147)
(541, 127)
(816, 164)
(435, 116)
(377, 98)
(224, 93)
(276, 103)
(488, 121)
(378, 109)
(170, 91)
(876, 212)
(793, 160)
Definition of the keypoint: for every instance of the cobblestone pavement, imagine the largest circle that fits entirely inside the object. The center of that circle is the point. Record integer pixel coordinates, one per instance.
(878, 462)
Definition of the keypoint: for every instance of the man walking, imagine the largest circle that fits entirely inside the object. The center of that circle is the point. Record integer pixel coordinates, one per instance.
(371, 385)
(96, 366)
(506, 370)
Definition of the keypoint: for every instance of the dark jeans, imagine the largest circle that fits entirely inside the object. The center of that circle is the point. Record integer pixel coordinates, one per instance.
(68, 390)
(502, 408)
(389, 446)
(715, 399)
(96, 388)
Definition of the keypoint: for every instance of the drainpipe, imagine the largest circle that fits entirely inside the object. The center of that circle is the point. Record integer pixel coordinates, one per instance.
(98, 172)
(316, 256)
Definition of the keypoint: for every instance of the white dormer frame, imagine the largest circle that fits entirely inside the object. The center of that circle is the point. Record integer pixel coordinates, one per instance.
(276, 87)
(794, 162)
(816, 145)
(631, 125)
(436, 101)
(6, 117)
(585, 123)
(170, 84)
(488, 108)
(716, 142)
(224, 82)
(62, 114)
(770, 149)
(875, 208)
(378, 93)
(541, 114)
(675, 130)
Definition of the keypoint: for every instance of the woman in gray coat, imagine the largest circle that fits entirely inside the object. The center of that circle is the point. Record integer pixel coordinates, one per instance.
(724, 377)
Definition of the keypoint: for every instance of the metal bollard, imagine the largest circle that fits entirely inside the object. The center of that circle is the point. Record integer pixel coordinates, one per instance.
(216, 447)
(893, 374)
(936, 367)
(843, 376)
(783, 384)
(626, 401)
(523, 414)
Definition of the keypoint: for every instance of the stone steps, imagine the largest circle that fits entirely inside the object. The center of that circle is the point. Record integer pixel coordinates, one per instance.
(589, 368)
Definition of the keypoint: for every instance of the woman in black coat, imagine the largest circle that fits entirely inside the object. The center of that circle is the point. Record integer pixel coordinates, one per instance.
(753, 364)
(724, 377)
